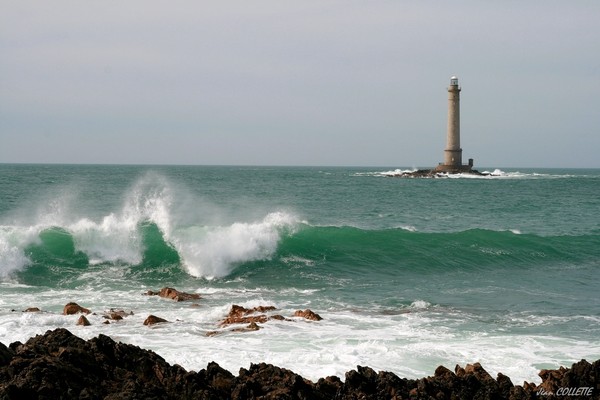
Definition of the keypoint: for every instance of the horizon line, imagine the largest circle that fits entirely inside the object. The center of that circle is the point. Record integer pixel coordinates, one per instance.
(265, 165)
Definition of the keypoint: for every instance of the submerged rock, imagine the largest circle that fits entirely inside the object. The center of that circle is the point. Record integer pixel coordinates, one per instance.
(114, 317)
(61, 365)
(241, 315)
(153, 319)
(83, 321)
(116, 314)
(279, 317)
(174, 294)
(245, 320)
(252, 326)
(308, 314)
(74, 308)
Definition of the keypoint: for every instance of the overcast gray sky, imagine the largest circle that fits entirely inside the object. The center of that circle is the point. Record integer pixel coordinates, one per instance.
(318, 82)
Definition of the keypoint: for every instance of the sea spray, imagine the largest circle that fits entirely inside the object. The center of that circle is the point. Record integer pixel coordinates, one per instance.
(145, 233)
(12, 242)
(117, 237)
(212, 252)
(150, 199)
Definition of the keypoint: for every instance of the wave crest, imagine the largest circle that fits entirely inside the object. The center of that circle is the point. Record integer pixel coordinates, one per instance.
(157, 224)
(214, 252)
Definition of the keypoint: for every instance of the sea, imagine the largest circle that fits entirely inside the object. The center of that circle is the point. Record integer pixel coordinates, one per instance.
(407, 273)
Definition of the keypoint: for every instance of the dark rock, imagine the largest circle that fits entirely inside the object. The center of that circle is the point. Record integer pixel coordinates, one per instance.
(363, 380)
(14, 346)
(519, 393)
(365, 383)
(83, 321)
(480, 373)
(329, 387)
(6, 354)
(504, 385)
(32, 309)
(267, 381)
(581, 375)
(59, 365)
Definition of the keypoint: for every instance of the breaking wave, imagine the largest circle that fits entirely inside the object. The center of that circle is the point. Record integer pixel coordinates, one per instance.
(150, 231)
(160, 232)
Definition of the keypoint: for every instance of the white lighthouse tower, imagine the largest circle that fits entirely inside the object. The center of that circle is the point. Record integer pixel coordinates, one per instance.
(453, 152)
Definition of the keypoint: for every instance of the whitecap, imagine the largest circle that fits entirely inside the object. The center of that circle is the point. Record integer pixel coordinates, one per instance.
(212, 252)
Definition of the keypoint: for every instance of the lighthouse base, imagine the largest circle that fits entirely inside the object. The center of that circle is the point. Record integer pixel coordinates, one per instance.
(438, 172)
(453, 169)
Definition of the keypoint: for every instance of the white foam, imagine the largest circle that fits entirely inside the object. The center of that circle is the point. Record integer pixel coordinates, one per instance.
(394, 172)
(420, 304)
(213, 251)
(296, 260)
(113, 239)
(409, 344)
(487, 174)
(409, 228)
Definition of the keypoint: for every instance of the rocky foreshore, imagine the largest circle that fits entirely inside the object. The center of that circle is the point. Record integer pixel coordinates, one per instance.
(60, 365)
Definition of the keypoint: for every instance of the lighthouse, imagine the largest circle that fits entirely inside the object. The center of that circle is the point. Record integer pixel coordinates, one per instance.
(453, 152)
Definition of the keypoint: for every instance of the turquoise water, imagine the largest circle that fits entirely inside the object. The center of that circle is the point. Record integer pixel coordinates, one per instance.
(407, 273)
